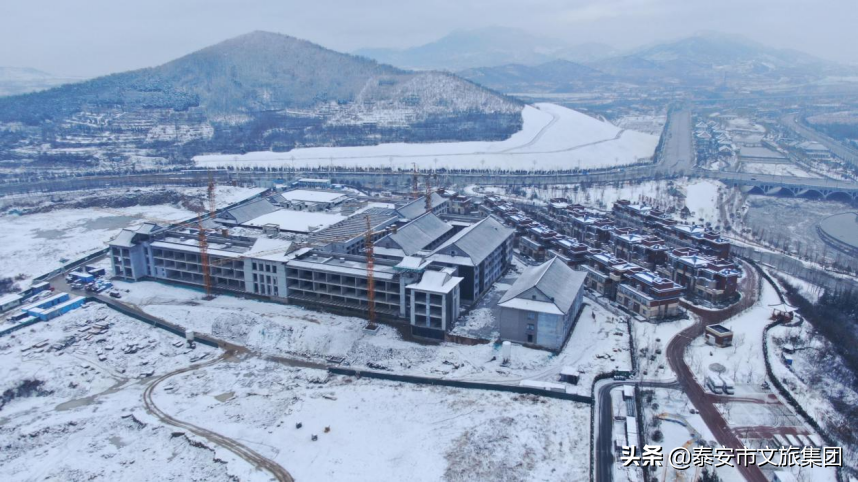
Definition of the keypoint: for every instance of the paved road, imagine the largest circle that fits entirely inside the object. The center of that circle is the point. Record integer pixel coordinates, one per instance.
(696, 394)
(677, 154)
(840, 150)
(236, 447)
(605, 425)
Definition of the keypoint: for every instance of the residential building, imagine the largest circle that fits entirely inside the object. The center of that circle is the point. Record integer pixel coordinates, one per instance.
(605, 272)
(705, 278)
(649, 295)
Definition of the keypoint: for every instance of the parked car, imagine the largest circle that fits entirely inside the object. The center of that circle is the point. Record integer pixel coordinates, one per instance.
(115, 294)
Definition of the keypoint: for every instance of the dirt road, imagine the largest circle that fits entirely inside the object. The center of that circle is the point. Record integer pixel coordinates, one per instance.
(279, 473)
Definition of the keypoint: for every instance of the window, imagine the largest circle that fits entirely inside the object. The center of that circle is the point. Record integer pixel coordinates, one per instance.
(531, 316)
(254, 265)
(530, 327)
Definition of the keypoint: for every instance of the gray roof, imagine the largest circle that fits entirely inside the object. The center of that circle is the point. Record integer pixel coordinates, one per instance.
(125, 239)
(418, 206)
(554, 279)
(355, 225)
(479, 240)
(251, 210)
(420, 233)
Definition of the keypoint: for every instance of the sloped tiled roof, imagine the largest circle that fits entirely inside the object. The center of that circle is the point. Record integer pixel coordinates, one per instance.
(418, 206)
(251, 210)
(420, 233)
(554, 279)
(479, 240)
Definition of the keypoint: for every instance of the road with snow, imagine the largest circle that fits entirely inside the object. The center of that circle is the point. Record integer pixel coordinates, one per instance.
(696, 394)
(677, 153)
(840, 150)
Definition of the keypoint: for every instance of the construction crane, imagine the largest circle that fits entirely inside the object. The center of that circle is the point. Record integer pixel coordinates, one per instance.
(370, 276)
(428, 194)
(204, 257)
(369, 251)
(211, 196)
(415, 192)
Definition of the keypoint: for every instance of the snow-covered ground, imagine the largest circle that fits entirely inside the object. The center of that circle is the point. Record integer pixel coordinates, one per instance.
(781, 169)
(651, 124)
(744, 360)
(651, 340)
(383, 430)
(552, 138)
(597, 344)
(87, 421)
(35, 244)
(701, 198)
(816, 377)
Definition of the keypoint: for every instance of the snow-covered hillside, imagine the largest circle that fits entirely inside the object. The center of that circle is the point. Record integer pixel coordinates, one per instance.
(552, 138)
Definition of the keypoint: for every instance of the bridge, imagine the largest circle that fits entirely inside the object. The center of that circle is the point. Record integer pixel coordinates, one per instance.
(795, 186)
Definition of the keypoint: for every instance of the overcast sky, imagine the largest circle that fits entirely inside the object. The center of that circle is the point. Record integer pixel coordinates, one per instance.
(95, 37)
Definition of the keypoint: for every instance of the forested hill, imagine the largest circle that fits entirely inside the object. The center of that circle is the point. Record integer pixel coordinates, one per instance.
(259, 91)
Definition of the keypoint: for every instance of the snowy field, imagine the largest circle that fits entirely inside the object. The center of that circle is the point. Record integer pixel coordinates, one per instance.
(35, 244)
(781, 169)
(651, 340)
(552, 138)
(297, 221)
(381, 430)
(743, 360)
(700, 196)
(598, 344)
(86, 420)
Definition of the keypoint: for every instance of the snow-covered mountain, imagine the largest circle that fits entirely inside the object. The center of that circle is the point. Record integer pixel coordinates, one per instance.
(711, 57)
(486, 47)
(257, 91)
(21, 80)
(554, 76)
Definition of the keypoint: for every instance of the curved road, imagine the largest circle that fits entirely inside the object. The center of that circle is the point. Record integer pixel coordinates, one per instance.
(685, 381)
(696, 394)
(234, 446)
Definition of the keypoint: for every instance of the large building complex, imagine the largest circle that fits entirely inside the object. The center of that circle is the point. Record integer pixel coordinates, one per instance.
(425, 269)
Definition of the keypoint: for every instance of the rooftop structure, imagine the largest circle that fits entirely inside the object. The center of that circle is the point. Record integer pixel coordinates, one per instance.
(551, 287)
(247, 212)
(347, 236)
(415, 208)
(314, 196)
(425, 232)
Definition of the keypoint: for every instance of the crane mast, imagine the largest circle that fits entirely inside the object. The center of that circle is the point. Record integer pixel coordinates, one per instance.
(204, 256)
(370, 278)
